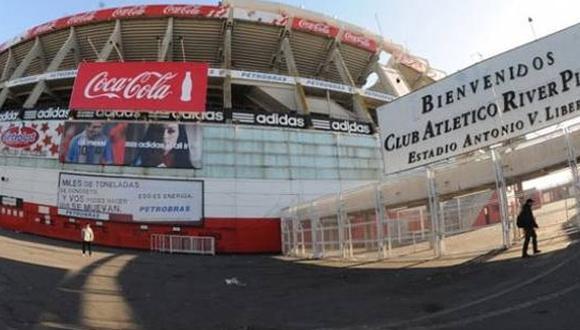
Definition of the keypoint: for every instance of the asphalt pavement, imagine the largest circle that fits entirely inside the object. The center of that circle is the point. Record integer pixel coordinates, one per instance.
(48, 284)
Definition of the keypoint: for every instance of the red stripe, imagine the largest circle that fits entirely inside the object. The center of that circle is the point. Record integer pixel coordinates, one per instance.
(233, 235)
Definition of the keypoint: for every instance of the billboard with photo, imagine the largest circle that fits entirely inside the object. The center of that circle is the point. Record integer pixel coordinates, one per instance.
(523, 90)
(169, 144)
(130, 199)
(37, 139)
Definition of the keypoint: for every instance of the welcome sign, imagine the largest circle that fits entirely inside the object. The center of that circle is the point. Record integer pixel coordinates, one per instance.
(515, 93)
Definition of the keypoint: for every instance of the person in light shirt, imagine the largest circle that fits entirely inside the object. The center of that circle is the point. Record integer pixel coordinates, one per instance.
(87, 237)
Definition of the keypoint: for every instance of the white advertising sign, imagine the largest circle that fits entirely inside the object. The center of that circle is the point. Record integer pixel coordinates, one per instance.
(326, 85)
(520, 91)
(57, 75)
(130, 199)
(261, 76)
(376, 95)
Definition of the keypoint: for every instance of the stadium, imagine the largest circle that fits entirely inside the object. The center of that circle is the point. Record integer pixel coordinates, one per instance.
(289, 114)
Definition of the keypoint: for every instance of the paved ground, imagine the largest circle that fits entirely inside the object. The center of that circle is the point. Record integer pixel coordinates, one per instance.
(47, 284)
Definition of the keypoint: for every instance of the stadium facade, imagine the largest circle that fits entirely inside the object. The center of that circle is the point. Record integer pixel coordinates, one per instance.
(286, 119)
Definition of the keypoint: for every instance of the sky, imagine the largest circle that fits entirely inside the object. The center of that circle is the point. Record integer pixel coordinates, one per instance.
(450, 34)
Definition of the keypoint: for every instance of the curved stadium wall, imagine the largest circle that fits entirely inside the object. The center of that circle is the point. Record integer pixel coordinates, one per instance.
(287, 119)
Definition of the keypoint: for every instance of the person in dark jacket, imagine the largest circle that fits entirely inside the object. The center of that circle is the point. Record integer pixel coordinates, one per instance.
(528, 223)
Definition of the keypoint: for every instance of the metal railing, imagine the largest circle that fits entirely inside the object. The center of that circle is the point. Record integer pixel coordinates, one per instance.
(183, 244)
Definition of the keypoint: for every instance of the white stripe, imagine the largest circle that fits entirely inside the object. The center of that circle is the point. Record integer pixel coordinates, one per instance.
(245, 121)
(237, 116)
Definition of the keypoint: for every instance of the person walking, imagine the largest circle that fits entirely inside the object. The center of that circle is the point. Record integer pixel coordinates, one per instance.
(88, 237)
(527, 222)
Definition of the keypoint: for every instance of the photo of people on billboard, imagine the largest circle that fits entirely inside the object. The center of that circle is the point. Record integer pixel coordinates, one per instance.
(171, 144)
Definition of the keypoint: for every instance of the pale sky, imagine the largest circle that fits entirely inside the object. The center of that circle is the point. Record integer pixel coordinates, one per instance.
(451, 34)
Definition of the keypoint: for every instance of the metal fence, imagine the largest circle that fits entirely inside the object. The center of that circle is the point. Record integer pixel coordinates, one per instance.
(183, 244)
(427, 212)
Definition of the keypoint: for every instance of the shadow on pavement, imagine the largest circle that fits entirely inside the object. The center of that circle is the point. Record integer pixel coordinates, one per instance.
(166, 291)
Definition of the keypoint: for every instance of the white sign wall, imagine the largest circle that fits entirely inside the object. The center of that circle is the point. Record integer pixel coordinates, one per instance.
(130, 199)
(517, 92)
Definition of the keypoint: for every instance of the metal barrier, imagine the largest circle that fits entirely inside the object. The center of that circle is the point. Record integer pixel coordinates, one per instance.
(443, 211)
(183, 244)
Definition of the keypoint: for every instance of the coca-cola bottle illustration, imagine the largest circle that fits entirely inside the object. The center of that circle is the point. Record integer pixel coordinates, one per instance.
(186, 86)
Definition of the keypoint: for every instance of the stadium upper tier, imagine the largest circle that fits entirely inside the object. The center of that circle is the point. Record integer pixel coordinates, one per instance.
(311, 55)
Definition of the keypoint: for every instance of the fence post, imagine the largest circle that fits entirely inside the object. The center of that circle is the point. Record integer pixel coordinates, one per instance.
(294, 218)
(283, 233)
(379, 216)
(303, 243)
(574, 168)
(314, 225)
(502, 197)
(422, 221)
(442, 221)
(340, 223)
(399, 233)
(434, 213)
(343, 223)
(459, 217)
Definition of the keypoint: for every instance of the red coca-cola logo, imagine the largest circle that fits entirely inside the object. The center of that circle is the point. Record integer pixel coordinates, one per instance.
(220, 11)
(314, 27)
(280, 21)
(149, 85)
(42, 28)
(411, 62)
(182, 10)
(357, 39)
(81, 18)
(20, 137)
(140, 86)
(129, 11)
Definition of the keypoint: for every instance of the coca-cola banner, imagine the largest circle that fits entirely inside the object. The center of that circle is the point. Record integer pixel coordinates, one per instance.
(170, 144)
(128, 13)
(320, 28)
(359, 41)
(155, 86)
(39, 139)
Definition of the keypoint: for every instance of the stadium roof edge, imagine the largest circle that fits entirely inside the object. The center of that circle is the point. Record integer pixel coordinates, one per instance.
(386, 44)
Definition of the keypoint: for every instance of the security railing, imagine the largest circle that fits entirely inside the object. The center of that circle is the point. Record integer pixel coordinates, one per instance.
(183, 244)
(464, 207)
